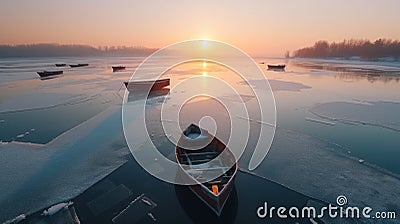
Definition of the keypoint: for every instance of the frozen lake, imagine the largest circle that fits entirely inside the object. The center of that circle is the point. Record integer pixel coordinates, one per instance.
(60, 136)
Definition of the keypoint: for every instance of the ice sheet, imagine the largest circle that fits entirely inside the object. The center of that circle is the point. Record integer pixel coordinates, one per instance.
(41, 175)
(35, 176)
(279, 85)
(382, 114)
(35, 101)
(318, 169)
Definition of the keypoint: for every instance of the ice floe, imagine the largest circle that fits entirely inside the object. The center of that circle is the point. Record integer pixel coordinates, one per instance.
(60, 170)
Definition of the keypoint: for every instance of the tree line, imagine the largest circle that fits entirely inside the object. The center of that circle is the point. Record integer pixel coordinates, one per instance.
(352, 48)
(54, 50)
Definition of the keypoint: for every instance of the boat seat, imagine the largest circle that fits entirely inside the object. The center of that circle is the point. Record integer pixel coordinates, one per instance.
(215, 182)
(201, 153)
(199, 161)
(206, 169)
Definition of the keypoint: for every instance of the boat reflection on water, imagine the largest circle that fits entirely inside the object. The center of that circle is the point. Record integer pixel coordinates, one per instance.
(199, 212)
(138, 95)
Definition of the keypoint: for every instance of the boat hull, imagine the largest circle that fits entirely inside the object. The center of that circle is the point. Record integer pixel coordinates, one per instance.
(143, 85)
(78, 65)
(215, 203)
(47, 73)
(276, 67)
(118, 68)
(215, 200)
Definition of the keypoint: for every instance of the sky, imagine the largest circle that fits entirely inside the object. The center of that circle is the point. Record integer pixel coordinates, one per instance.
(258, 27)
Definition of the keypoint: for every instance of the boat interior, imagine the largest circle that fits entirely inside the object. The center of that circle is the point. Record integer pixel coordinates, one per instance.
(205, 160)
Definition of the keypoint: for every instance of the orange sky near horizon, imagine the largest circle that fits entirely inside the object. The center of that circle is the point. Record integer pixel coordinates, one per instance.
(260, 28)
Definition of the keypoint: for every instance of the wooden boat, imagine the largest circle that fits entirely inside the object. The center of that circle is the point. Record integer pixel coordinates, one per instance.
(146, 84)
(276, 67)
(118, 68)
(216, 192)
(61, 65)
(49, 73)
(78, 65)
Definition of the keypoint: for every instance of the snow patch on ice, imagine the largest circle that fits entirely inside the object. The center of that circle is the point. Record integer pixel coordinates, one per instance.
(56, 208)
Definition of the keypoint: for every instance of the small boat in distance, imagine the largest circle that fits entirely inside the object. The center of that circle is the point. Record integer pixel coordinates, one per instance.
(49, 73)
(78, 65)
(216, 192)
(118, 68)
(146, 84)
(276, 67)
(61, 65)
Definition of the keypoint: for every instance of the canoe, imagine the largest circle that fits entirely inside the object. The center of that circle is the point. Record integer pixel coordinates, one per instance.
(49, 73)
(147, 84)
(61, 65)
(214, 193)
(118, 68)
(276, 67)
(78, 65)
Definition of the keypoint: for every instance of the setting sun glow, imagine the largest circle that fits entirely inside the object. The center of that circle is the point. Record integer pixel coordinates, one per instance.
(263, 28)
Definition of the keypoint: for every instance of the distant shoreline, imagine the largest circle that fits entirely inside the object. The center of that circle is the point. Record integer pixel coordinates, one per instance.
(56, 50)
(353, 59)
(360, 49)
